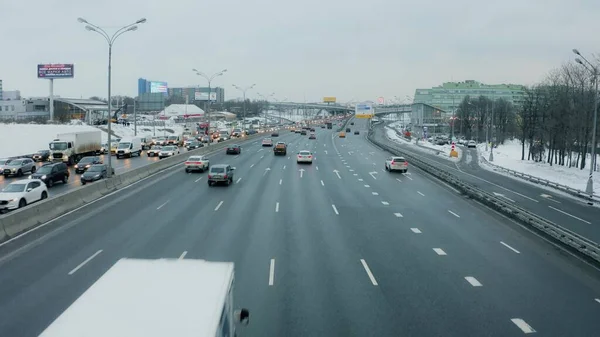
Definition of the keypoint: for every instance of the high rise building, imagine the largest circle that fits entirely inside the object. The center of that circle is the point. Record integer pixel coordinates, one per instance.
(449, 95)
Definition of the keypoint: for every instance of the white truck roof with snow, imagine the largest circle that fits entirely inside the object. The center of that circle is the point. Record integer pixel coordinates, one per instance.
(148, 298)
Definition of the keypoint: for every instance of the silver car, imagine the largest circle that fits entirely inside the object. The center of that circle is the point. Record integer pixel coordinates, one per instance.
(168, 151)
(17, 167)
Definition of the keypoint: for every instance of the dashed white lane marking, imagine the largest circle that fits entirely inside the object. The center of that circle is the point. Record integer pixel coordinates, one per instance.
(237, 181)
(272, 272)
(456, 215)
(197, 180)
(421, 194)
(219, 206)
(276, 207)
(398, 215)
(408, 177)
(355, 174)
(84, 262)
(183, 255)
(280, 181)
(385, 203)
(597, 300)
(571, 215)
(284, 167)
(322, 183)
(335, 209)
(473, 281)
(382, 170)
(374, 193)
(351, 170)
(360, 179)
(289, 157)
(521, 324)
(317, 168)
(368, 270)
(509, 247)
(262, 156)
(439, 251)
(251, 165)
(367, 186)
(399, 180)
(161, 206)
(415, 230)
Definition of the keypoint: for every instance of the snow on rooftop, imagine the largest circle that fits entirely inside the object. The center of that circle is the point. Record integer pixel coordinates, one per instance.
(149, 298)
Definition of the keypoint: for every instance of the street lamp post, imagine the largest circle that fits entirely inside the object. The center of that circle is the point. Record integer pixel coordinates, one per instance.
(209, 79)
(594, 70)
(110, 39)
(278, 101)
(243, 90)
(266, 98)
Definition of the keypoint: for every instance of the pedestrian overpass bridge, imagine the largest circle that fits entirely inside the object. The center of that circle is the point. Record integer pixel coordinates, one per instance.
(338, 108)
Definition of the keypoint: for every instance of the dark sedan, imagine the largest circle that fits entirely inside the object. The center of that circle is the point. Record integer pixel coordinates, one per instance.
(94, 173)
(41, 155)
(86, 162)
(234, 149)
(194, 145)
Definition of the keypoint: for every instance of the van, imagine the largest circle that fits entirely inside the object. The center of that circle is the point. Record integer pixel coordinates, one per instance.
(128, 147)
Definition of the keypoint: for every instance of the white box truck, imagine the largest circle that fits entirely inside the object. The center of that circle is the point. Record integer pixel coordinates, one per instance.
(146, 298)
(71, 147)
(128, 147)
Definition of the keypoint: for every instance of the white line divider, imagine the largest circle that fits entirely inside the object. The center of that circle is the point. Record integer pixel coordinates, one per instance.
(456, 215)
(272, 273)
(276, 207)
(368, 270)
(416, 230)
(182, 256)
(219, 205)
(322, 183)
(197, 180)
(237, 181)
(385, 203)
(439, 251)
(335, 209)
(398, 215)
(509, 247)
(84, 262)
(521, 324)
(473, 281)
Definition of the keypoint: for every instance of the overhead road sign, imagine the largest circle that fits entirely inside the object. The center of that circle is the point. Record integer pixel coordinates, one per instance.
(364, 110)
(53, 71)
(329, 99)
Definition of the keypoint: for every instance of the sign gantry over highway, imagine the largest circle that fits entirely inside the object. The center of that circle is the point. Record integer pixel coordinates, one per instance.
(364, 110)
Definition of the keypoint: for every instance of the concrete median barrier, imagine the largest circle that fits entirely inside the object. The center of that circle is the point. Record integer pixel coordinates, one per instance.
(22, 220)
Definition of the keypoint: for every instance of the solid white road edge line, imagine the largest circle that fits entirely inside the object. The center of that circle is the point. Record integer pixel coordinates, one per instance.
(473, 281)
(272, 273)
(368, 270)
(219, 205)
(161, 206)
(571, 215)
(521, 324)
(335, 209)
(421, 193)
(84, 262)
(456, 215)
(183, 255)
(509, 247)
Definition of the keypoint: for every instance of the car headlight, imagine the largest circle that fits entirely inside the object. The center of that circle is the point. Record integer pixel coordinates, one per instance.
(44, 177)
(97, 176)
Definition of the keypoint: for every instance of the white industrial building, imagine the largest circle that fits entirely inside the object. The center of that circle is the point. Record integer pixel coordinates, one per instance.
(182, 110)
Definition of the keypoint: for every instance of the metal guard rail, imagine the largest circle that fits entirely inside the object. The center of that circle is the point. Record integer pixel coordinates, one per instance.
(584, 246)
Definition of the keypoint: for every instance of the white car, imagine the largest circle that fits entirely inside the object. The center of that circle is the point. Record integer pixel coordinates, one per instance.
(471, 143)
(305, 157)
(267, 142)
(396, 164)
(194, 163)
(20, 193)
(154, 151)
(168, 151)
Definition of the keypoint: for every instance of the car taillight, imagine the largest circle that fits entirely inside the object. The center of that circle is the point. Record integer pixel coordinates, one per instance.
(309, 156)
(225, 177)
(405, 163)
(392, 163)
(209, 176)
(187, 162)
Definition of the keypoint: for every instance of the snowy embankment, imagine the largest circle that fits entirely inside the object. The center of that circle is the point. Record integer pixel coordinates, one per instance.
(442, 151)
(508, 155)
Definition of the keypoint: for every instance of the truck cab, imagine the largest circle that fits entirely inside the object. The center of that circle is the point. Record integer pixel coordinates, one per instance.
(165, 297)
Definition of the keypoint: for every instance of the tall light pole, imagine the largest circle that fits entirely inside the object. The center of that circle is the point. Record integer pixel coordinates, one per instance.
(492, 135)
(209, 79)
(266, 98)
(589, 188)
(244, 89)
(110, 39)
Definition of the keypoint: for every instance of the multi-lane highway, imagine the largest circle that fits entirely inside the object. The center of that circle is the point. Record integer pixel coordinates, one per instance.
(336, 248)
(565, 210)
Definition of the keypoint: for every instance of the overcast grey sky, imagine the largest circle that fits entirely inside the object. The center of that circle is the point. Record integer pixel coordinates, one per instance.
(311, 48)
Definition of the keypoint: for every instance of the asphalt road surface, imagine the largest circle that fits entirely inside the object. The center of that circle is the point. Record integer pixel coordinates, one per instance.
(336, 248)
(565, 210)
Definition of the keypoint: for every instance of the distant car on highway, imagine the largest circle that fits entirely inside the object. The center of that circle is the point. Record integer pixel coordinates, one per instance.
(267, 142)
(168, 151)
(95, 173)
(471, 143)
(221, 173)
(196, 163)
(396, 164)
(3, 162)
(86, 162)
(17, 167)
(51, 173)
(275, 134)
(41, 155)
(280, 149)
(312, 136)
(154, 151)
(348, 130)
(20, 193)
(233, 149)
(304, 157)
(194, 144)
(356, 132)
(342, 134)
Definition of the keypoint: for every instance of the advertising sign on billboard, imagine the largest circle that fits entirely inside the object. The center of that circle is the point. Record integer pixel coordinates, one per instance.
(364, 110)
(52, 71)
(203, 96)
(380, 100)
(158, 87)
(329, 99)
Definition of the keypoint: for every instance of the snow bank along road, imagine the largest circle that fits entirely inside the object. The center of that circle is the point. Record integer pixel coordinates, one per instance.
(336, 248)
(120, 165)
(565, 210)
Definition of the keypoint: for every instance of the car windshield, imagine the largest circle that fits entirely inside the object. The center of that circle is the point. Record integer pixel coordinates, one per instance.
(43, 151)
(168, 148)
(400, 159)
(96, 168)
(45, 170)
(172, 137)
(12, 188)
(217, 170)
(156, 147)
(58, 146)
(304, 153)
(194, 159)
(86, 160)
(16, 163)
(124, 145)
(234, 146)
(267, 140)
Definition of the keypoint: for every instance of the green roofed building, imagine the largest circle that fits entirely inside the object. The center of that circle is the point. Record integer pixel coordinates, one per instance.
(449, 95)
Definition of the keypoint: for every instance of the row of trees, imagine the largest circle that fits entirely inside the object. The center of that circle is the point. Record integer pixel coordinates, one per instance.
(554, 122)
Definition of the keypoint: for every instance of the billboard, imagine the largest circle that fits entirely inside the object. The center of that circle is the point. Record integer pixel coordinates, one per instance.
(364, 110)
(380, 100)
(329, 99)
(156, 87)
(52, 71)
(203, 96)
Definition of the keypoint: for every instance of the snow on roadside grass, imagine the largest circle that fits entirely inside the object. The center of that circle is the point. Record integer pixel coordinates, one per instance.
(508, 155)
(24, 139)
(443, 151)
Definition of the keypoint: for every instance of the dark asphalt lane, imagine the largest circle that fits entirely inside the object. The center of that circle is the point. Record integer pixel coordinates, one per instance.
(324, 235)
(566, 211)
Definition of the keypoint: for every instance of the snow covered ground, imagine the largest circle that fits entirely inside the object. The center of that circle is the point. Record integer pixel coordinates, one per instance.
(508, 156)
(444, 150)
